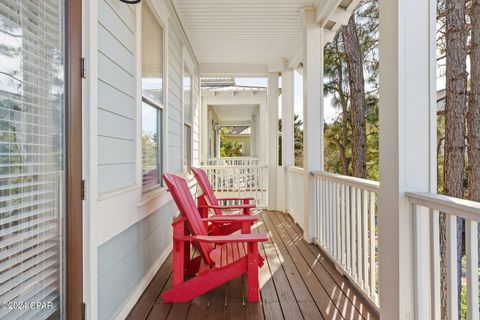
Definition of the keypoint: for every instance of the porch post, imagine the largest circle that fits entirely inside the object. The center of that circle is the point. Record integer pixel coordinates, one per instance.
(204, 131)
(313, 38)
(407, 154)
(272, 140)
(288, 146)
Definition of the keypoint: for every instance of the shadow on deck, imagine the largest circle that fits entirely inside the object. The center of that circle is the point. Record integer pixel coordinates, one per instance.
(297, 282)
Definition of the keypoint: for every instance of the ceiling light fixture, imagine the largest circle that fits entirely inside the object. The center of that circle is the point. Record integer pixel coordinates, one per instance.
(131, 1)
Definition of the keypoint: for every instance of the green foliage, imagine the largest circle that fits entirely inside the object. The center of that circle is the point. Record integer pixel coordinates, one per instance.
(338, 134)
(298, 140)
(228, 147)
(149, 151)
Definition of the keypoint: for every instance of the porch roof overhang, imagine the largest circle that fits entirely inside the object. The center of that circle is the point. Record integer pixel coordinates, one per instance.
(251, 37)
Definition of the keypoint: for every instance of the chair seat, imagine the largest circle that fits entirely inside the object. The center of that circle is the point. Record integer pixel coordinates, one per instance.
(224, 254)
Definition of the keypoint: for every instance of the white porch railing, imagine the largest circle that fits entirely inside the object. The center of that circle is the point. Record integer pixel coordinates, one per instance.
(233, 161)
(346, 227)
(239, 181)
(294, 200)
(426, 208)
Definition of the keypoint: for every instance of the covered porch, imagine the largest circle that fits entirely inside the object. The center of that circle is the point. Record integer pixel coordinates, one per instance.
(298, 281)
(340, 247)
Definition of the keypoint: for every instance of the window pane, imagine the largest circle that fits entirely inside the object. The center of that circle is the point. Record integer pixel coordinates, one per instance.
(150, 146)
(187, 96)
(187, 148)
(152, 56)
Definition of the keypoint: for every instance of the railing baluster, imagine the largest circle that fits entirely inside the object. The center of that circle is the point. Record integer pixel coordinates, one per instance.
(334, 215)
(471, 239)
(359, 236)
(373, 264)
(343, 232)
(348, 227)
(452, 288)
(322, 204)
(435, 261)
(339, 222)
(353, 204)
(365, 239)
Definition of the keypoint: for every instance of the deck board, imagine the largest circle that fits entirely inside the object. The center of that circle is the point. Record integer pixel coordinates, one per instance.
(298, 281)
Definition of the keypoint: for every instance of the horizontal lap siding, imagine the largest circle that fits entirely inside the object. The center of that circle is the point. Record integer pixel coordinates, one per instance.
(125, 260)
(116, 92)
(177, 41)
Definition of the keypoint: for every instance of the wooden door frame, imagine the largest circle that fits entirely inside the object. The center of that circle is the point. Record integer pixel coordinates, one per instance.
(73, 159)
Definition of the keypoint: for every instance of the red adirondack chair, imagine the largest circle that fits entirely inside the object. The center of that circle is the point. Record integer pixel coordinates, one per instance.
(209, 200)
(222, 258)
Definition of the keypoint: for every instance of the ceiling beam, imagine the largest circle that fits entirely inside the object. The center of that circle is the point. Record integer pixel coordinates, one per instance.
(213, 69)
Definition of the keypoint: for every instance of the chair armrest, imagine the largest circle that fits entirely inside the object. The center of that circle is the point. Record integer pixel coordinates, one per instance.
(234, 238)
(230, 218)
(238, 199)
(239, 206)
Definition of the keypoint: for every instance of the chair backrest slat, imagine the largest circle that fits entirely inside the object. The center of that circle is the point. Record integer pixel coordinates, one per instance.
(186, 205)
(207, 189)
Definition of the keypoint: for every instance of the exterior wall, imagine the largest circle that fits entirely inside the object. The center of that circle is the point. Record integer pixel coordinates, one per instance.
(124, 260)
(127, 234)
(116, 96)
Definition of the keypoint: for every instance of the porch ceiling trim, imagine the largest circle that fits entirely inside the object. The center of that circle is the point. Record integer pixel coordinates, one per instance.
(212, 69)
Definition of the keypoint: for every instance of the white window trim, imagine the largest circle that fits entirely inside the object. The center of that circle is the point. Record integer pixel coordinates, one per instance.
(160, 10)
(187, 63)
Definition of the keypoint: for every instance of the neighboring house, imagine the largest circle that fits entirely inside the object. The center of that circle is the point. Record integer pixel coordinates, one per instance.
(241, 134)
(230, 105)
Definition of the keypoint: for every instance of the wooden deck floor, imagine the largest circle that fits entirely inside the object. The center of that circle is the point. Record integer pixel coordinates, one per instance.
(297, 282)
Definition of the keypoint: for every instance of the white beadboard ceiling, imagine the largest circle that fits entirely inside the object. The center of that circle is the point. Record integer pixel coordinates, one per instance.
(243, 32)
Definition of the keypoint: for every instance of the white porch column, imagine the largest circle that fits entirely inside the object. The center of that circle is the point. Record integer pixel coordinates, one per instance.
(262, 132)
(253, 137)
(204, 125)
(288, 143)
(312, 116)
(407, 153)
(272, 139)
(288, 147)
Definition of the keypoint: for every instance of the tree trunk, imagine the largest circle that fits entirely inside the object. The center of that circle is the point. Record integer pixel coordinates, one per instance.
(357, 97)
(343, 99)
(455, 110)
(473, 114)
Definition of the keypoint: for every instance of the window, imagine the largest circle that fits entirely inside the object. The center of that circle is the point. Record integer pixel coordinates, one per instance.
(152, 99)
(187, 119)
(151, 132)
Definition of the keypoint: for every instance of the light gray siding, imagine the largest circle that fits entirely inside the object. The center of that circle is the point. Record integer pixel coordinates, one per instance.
(177, 41)
(124, 260)
(116, 92)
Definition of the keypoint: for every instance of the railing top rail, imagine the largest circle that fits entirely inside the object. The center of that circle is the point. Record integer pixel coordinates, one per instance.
(295, 169)
(369, 185)
(236, 158)
(460, 207)
(244, 166)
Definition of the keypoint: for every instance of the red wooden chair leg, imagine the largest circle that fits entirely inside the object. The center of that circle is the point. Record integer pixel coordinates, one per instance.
(252, 272)
(178, 255)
